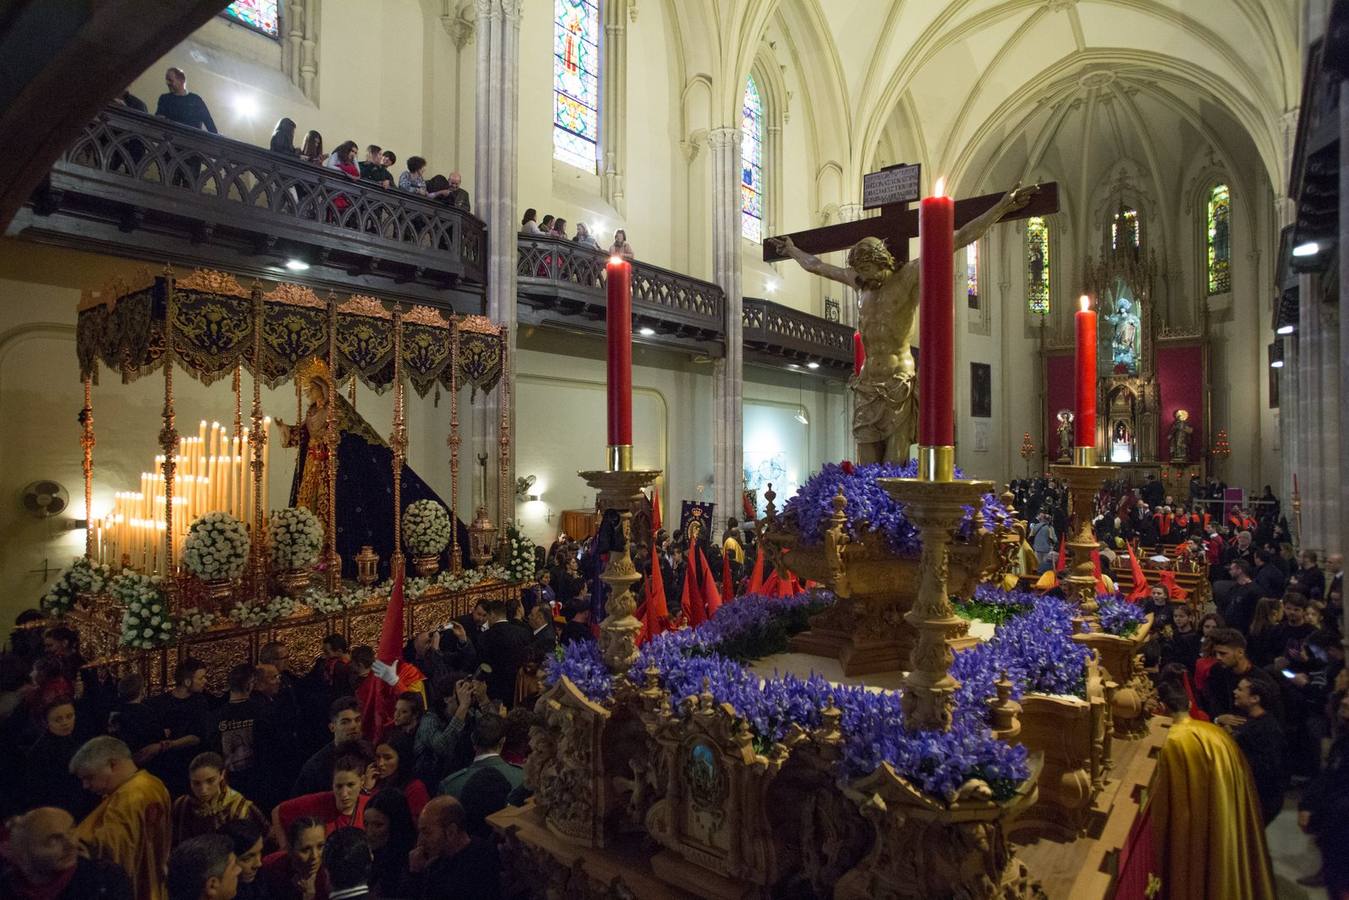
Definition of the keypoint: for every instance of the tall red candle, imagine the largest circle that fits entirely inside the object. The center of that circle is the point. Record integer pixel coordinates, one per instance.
(859, 353)
(936, 321)
(1084, 428)
(618, 327)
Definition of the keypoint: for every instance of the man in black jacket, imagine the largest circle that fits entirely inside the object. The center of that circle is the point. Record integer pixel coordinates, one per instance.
(505, 647)
(447, 863)
(43, 853)
(181, 106)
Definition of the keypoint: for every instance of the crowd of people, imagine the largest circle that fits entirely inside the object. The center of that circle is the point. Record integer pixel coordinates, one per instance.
(180, 105)
(290, 782)
(556, 227)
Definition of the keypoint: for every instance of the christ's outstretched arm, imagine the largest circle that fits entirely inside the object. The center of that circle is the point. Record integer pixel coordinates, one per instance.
(1011, 201)
(814, 264)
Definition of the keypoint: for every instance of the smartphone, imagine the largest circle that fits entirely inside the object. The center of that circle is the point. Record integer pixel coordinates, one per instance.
(1288, 673)
(482, 672)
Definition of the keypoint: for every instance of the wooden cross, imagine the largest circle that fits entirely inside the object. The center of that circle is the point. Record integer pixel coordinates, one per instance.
(897, 223)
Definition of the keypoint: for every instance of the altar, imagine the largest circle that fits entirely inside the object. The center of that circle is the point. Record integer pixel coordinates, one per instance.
(198, 558)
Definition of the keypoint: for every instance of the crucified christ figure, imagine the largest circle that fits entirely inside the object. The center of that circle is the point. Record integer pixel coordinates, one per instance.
(885, 416)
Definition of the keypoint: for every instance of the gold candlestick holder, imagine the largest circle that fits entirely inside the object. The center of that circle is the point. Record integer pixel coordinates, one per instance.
(935, 507)
(1084, 479)
(620, 490)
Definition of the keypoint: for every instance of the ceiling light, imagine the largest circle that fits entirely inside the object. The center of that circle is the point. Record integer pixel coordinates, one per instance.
(812, 365)
(246, 105)
(793, 366)
(1285, 329)
(646, 332)
(801, 417)
(1277, 364)
(1311, 248)
(296, 265)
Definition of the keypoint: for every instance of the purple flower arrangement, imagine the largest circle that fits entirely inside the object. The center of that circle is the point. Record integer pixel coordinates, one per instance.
(691, 661)
(1034, 649)
(1118, 616)
(994, 605)
(869, 507)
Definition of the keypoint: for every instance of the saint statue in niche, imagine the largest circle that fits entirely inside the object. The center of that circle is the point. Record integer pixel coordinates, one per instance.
(885, 414)
(1179, 437)
(1121, 442)
(1124, 337)
(1065, 431)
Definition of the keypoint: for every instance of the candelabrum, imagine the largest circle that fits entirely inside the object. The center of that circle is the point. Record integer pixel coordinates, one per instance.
(936, 507)
(621, 491)
(1027, 450)
(1084, 479)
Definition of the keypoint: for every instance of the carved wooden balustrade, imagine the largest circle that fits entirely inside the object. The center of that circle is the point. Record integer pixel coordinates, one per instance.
(563, 283)
(144, 186)
(773, 333)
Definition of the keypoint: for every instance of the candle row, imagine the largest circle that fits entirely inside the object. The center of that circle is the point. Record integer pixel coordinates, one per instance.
(213, 473)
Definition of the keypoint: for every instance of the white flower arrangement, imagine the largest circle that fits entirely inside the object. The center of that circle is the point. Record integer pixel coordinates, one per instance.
(332, 604)
(449, 581)
(520, 564)
(192, 622)
(296, 538)
(83, 577)
(146, 623)
(426, 528)
(250, 615)
(216, 547)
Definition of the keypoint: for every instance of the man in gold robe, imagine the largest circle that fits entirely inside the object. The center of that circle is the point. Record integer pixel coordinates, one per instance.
(131, 826)
(1207, 827)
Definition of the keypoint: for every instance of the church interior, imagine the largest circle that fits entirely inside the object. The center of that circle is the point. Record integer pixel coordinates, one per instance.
(673, 448)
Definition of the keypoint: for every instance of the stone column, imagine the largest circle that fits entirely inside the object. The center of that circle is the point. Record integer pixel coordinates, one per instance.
(1342, 502)
(614, 121)
(728, 374)
(495, 164)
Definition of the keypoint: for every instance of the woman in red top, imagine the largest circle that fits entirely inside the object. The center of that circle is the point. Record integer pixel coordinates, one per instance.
(297, 873)
(1207, 660)
(342, 807)
(393, 770)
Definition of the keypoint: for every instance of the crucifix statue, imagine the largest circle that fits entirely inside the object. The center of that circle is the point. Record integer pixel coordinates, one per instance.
(885, 416)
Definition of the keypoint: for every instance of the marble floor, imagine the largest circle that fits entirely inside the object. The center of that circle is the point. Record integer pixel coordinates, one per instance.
(1293, 853)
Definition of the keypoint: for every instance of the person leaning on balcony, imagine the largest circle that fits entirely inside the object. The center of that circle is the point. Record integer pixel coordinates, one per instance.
(180, 106)
(458, 197)
(414, 179)
(312, 149)
(584, 237)
(529, 224)
(283, 138)
(343, 159)
(620, 246)
(373, 168)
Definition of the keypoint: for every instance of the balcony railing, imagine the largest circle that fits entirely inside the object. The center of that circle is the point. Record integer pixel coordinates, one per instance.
(156, 189)
(774, 333)
(559, 278)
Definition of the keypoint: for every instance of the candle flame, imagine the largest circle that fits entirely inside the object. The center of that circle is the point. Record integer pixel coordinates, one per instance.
(940, 189)
(1085, 302)
(615, 260)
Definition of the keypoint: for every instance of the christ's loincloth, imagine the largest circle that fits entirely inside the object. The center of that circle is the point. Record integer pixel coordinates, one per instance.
(885, 411)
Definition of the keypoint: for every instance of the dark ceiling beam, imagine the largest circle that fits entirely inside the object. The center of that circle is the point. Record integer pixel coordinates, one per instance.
(60, 62)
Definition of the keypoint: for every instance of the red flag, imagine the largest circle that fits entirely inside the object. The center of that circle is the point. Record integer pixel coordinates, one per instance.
(756, 582)
(657, 610)
(655, 512)
(377, 697)
(691, 598)
(727, 590)
(1140, 580)
(1096, 571)
(708, 583)
(391, 632)
(1062, 561)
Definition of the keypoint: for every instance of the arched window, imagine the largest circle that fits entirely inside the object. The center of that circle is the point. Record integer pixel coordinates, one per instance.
(260, 15)
(972, 274)
(1218, 232)
(751, 163)
(1124, 230)
(1037, 266)
(576, 82)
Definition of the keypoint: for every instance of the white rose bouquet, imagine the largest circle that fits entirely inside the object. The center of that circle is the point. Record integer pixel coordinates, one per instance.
(83, 577)
(341, 601)
(520, 563)
(216, 548)
(426, 528)
(146, 623)
(296, 538)
(192, 622)
(250, 615)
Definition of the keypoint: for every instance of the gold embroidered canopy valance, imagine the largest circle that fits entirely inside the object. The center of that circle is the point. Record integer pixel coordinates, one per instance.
(214, 317)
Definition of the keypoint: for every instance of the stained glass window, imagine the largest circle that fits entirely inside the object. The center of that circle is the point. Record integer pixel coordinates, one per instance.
(972, 274)
(1124, 229)
(1037, 266)
(751, 163)
(1219, 233)
(260, 15)
(576, 82)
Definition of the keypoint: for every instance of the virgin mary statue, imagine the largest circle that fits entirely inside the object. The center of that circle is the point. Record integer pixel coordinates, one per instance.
(364, 496)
